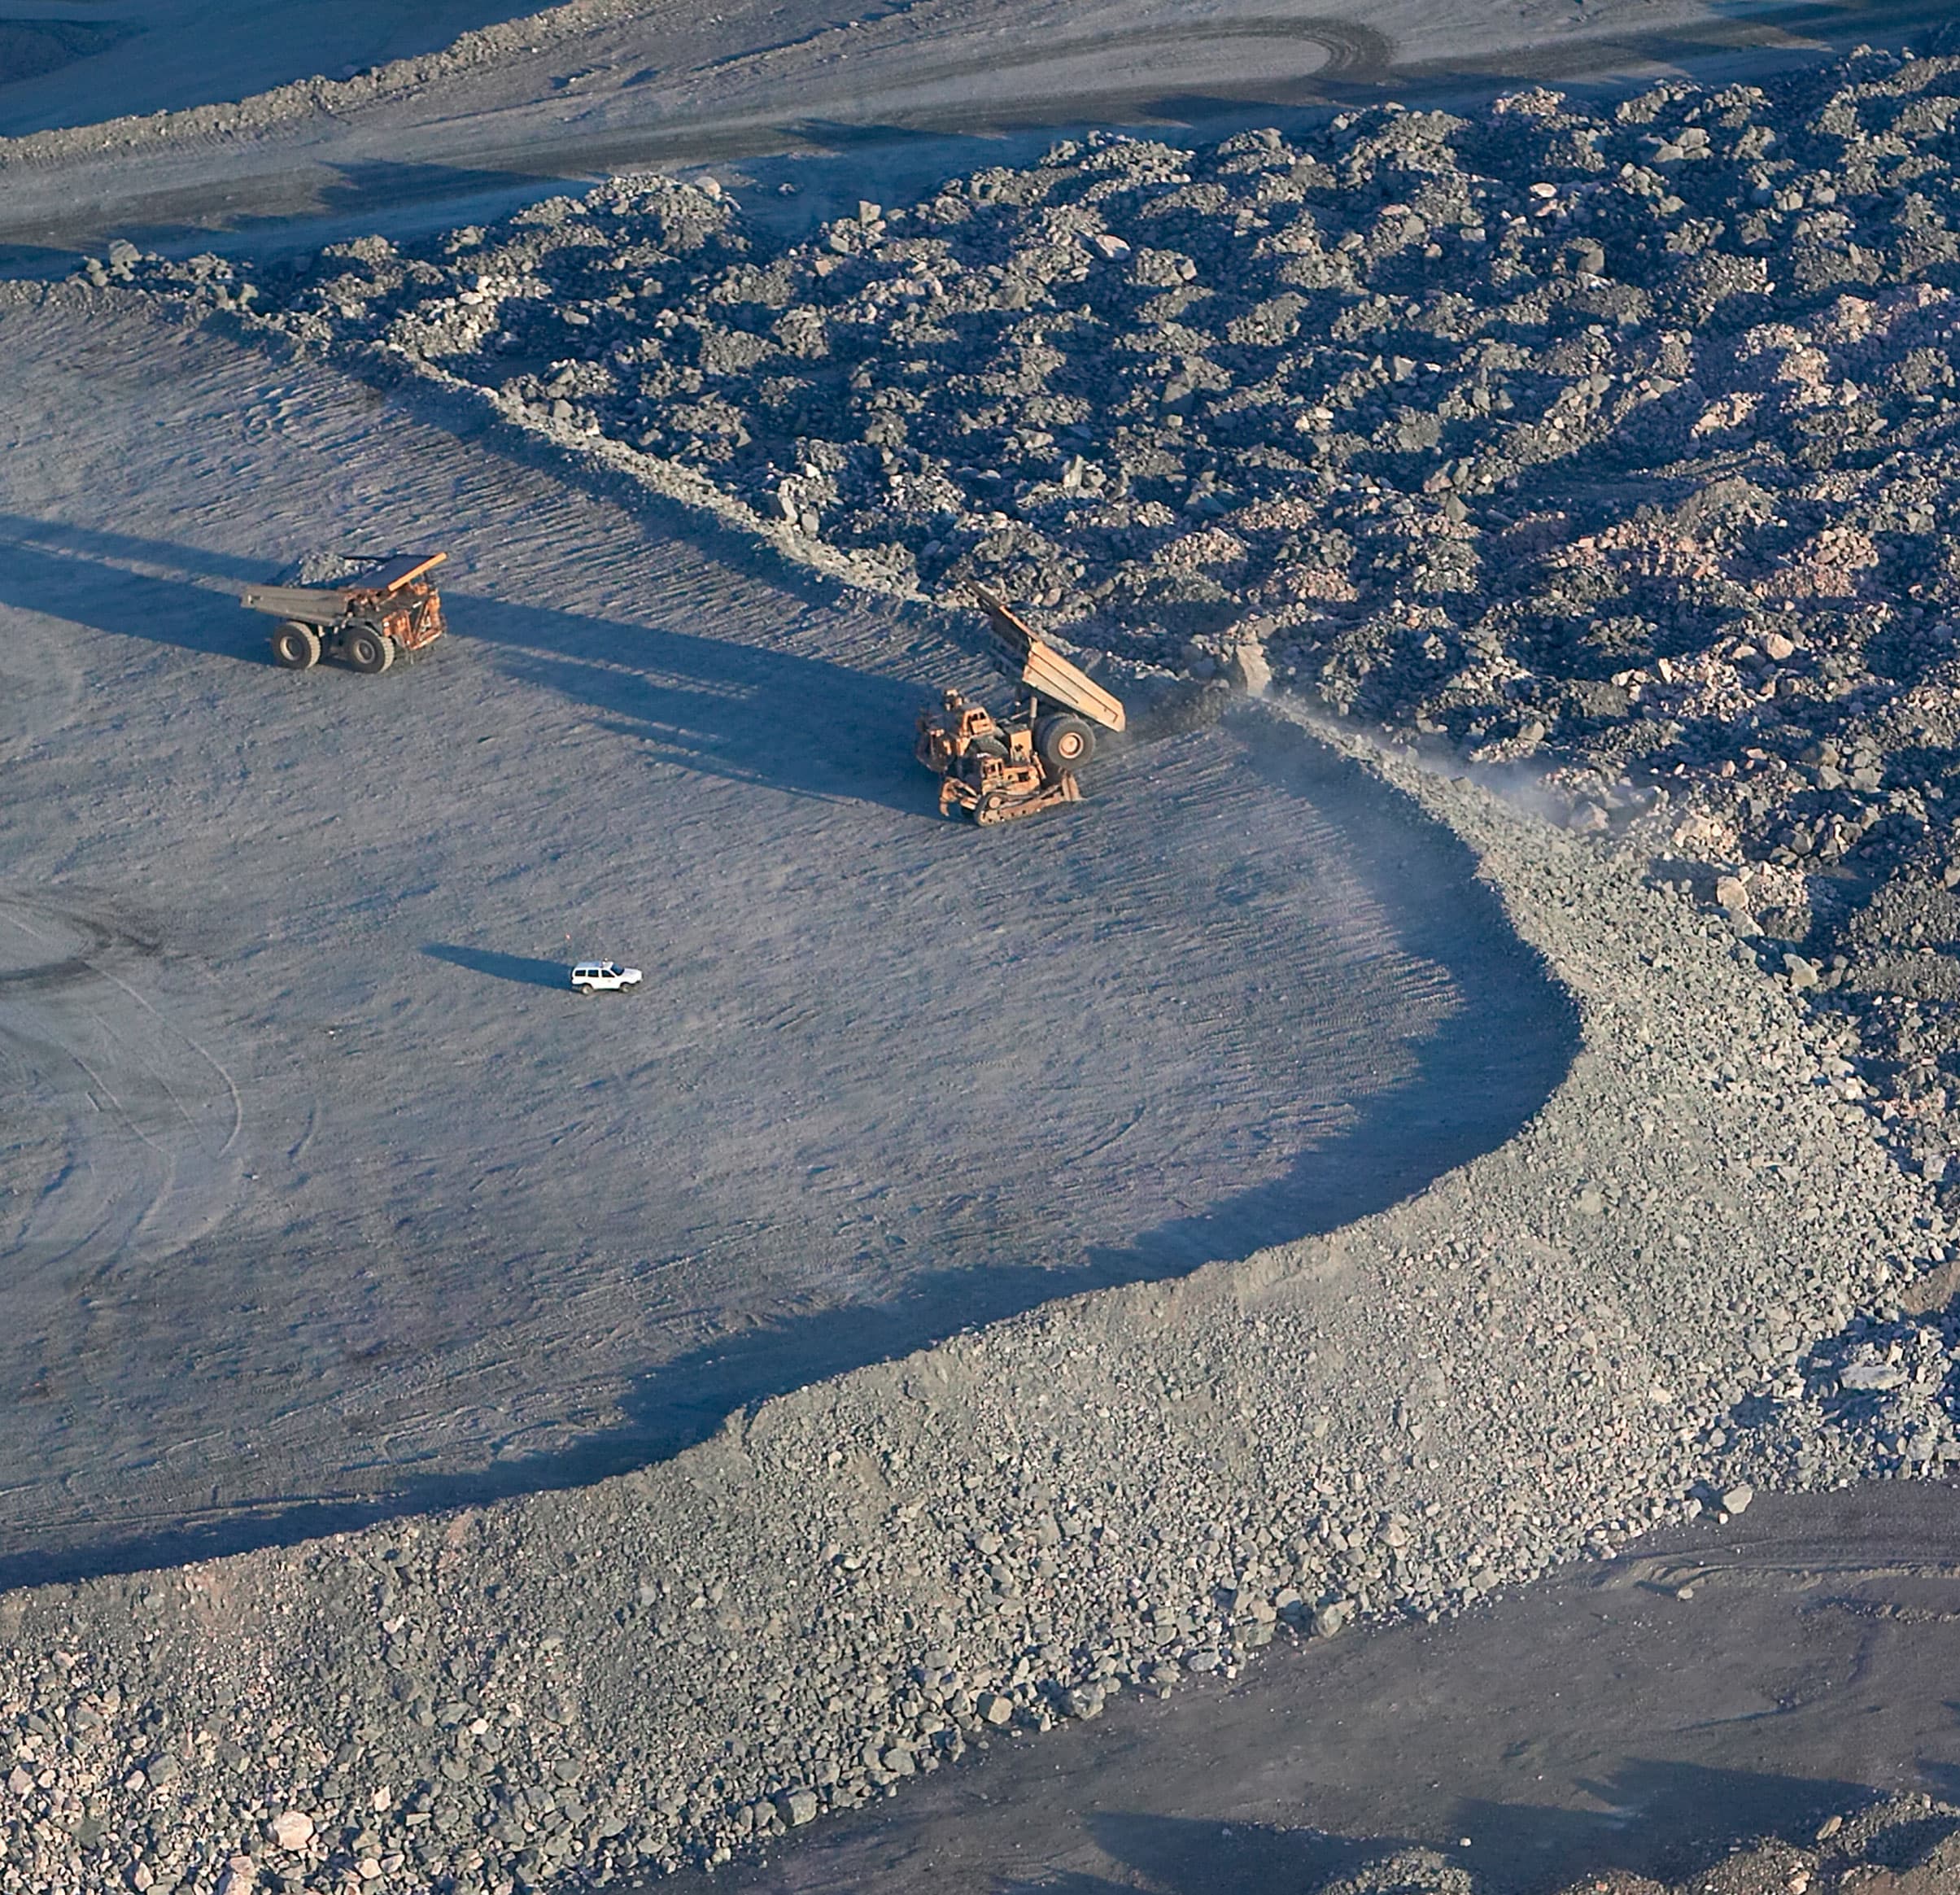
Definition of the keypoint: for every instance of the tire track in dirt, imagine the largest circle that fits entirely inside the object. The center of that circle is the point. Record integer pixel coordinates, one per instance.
(123, 1142)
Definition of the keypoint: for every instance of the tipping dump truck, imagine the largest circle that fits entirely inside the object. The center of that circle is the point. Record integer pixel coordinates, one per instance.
(383, 609)
(998, 768)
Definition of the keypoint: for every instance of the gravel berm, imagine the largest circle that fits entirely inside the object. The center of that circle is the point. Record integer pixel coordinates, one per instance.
(1603, 1325)
(1631, 507)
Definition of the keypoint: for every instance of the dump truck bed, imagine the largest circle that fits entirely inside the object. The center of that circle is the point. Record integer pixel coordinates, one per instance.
(1025, 659)
(310, 605)
(321, 604)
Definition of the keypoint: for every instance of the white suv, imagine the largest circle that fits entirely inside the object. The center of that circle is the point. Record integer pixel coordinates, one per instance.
(603, 977)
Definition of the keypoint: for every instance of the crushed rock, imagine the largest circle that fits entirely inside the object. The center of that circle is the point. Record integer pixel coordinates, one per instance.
(859, 1582)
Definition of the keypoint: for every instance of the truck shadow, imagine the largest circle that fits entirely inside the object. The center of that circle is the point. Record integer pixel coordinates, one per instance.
(87, 578)
(521, 968)
(746, 712)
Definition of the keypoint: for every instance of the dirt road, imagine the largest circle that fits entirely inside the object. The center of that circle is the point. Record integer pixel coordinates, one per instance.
(900, 95)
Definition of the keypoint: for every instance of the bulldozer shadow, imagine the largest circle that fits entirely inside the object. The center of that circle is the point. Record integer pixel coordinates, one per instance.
(803, 726)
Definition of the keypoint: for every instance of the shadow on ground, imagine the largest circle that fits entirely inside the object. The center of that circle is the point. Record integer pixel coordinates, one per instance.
(1672, 1819)
(809, 727)
(744, 712)
(521, 968)
(1588, 1726)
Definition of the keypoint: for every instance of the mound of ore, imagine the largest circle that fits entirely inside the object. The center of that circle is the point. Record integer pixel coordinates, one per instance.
(1621, 441)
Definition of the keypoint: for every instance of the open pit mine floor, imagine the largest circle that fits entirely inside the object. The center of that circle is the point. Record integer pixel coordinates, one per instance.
(257, 892)
(1367, 1209)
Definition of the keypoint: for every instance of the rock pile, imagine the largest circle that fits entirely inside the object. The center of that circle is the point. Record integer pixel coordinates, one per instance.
(1621, 443)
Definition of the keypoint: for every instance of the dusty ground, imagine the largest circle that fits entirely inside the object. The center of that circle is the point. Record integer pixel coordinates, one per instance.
(287, 980)
(325, 1204)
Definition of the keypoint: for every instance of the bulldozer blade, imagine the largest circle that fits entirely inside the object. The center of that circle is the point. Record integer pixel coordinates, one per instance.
(996, 808)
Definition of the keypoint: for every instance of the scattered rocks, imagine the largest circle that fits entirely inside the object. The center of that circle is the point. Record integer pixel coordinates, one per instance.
(1354, 420)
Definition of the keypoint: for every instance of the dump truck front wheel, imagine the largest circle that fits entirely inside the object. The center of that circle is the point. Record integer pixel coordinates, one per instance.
(296, 646)
(1065, 742)
(368, 650)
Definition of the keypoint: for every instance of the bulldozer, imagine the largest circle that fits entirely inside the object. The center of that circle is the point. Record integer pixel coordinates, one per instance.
(998, 768)
(381, 610)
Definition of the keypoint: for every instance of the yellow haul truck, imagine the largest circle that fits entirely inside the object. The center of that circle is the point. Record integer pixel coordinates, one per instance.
(996, 769)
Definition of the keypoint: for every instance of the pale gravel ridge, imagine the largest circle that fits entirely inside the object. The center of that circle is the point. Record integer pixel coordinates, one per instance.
(304, 98)
(1541, 1355)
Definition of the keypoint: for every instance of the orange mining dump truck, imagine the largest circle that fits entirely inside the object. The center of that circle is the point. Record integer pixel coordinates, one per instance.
(998, 768)
(381, 610)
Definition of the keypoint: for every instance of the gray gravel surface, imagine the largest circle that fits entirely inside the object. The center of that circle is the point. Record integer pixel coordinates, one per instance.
(1609, 442)
(1699, 1272)
(597, 86)
(324, 1194)
(851, 1585)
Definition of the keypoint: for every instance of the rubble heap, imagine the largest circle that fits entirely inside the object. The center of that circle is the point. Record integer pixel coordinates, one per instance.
(1615, 446)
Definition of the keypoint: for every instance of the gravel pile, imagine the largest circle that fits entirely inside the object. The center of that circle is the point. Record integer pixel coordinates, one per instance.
(1603, 1326)
(1619, 446)
(1607, 454)
(497, 45)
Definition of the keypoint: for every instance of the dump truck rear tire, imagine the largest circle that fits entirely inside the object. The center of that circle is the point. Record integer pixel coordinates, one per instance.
(296, 646)
(1065, 742)
(368, 650)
